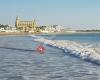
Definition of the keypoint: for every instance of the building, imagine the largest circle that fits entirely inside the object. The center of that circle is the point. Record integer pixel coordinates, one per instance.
(52, 28)
(25, 26)
(55, 29)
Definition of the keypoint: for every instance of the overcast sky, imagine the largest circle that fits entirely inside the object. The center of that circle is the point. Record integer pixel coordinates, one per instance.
(77, 14)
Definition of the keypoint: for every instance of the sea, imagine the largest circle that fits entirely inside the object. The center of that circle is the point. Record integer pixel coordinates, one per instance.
(20, 60)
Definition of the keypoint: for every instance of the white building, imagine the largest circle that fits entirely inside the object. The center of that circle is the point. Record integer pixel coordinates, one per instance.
(56, 28)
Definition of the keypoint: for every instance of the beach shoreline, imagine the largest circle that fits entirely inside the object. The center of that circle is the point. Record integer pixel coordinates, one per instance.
(38, 33)
(17, 33)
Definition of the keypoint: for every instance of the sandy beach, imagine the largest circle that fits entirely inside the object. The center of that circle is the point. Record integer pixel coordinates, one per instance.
(17, 33)
(50, 33)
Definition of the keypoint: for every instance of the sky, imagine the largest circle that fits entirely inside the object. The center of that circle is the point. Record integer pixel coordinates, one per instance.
(76, 14)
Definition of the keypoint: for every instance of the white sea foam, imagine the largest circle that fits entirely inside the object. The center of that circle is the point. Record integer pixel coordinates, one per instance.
(74, 49)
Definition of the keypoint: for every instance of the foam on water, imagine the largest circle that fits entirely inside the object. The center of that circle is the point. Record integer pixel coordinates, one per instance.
(74, 49)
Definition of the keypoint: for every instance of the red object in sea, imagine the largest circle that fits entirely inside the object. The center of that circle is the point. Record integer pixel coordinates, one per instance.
(41, 49)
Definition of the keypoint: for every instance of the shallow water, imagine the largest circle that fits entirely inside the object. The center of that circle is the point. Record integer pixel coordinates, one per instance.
(19, 60)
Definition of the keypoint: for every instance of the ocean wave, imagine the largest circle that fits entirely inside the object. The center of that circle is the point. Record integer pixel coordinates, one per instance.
(74, 49)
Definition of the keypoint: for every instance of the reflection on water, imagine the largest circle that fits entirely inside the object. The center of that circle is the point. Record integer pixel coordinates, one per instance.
(20, 61)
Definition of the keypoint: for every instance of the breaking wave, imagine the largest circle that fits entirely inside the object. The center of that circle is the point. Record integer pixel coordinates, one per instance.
(74, 49)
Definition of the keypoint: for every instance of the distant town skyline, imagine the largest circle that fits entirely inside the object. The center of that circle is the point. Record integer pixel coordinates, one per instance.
(77, 14)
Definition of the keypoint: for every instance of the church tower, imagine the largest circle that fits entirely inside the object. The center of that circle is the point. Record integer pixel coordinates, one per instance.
(25, 26)
(17, 21)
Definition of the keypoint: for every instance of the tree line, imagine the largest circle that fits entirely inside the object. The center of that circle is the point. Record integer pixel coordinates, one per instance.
(4, 26)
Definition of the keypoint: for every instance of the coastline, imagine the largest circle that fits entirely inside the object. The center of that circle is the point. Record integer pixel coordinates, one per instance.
(68, 33)
(17, 33)
(38, 33)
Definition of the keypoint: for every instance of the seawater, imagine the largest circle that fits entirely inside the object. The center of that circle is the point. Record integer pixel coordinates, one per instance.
(76, 36)
(19, 59)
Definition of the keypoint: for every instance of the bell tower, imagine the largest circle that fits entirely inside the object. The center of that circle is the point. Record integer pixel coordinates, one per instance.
(17, 21)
